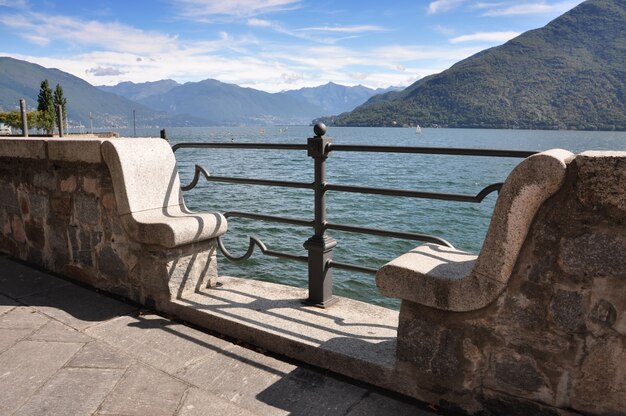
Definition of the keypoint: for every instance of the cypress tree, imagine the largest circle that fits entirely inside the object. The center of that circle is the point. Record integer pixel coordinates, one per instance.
(45, 106)
(59, 99)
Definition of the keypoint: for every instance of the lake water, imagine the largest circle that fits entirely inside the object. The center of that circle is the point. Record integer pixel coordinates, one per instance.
(462, 224)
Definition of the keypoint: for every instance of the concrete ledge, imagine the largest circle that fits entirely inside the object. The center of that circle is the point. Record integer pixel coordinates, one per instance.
(452, 280)
(352, 338)
(75, 150)
(23, 148)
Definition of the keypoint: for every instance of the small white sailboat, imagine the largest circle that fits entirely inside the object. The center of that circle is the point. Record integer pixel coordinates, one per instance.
(418, 129)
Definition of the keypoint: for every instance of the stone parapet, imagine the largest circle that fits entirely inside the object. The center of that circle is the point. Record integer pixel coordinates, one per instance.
(59, 209)
(553, 341)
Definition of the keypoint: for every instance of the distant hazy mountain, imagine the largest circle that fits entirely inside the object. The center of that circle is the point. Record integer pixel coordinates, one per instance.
(334, 98)
(221, 103)
(569, 74)
(141, 90)
(21, 79)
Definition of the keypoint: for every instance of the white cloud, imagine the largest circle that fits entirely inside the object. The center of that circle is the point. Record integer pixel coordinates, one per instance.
(42, 29)
(344, 29)
(439, 6)
(312, 34)
(537, 7)
(505, 8)
(485, 37)
(101, 71)
(259, 22)
(15, 4)
(203, 9)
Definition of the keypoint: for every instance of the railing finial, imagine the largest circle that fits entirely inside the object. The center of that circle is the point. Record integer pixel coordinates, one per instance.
(319, 129)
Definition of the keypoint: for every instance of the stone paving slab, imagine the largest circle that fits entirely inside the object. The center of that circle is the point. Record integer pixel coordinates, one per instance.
(157, 341)
(23, 280)
(9, 336)
(56, 331)
(77, 307)
(27, 366)
(6, 304)
(72, 391)
(201, 403)
(100, 355)
(23, 317)
(145, 391)
(377, 404)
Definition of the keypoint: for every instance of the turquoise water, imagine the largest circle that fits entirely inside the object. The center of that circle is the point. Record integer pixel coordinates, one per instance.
(463, 224)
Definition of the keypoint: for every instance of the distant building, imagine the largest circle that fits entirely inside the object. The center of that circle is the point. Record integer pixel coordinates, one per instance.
(5, 130)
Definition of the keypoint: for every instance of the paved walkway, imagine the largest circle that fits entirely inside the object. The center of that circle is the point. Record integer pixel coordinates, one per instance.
(66, 350)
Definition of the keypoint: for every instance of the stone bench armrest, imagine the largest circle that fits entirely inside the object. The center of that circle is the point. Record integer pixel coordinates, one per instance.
(148, 196)
(450, 279)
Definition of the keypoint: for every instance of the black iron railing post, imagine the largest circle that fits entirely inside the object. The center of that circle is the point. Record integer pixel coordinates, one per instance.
(320, 245)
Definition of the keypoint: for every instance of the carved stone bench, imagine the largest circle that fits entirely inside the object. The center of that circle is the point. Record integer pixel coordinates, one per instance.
(149, 200)
(454, 280)
(536, 322)
(106, 212)
(152, 210)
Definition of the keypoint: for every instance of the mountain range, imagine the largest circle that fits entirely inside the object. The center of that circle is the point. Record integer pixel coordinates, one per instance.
(168, 103)
(569, 74)
(21, 79)
(223, 103)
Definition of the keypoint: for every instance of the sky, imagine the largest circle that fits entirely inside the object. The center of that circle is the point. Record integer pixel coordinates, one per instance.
(271, 45)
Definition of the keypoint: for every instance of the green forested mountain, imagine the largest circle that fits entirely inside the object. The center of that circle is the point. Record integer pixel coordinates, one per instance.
(569, 74)
(222, 103)
(139, 91)
(21, 79)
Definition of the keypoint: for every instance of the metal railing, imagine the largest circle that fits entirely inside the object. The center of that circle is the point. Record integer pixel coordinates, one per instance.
(320, 245)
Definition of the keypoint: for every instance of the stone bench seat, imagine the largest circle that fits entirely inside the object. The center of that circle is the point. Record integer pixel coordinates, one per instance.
(453, 280)
(148, 196)
(173, 226)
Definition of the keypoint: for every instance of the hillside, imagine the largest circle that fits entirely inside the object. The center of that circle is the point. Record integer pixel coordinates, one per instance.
(569, 74)
(138, 91)
(222, 103)
(334, 98)
(21, 79)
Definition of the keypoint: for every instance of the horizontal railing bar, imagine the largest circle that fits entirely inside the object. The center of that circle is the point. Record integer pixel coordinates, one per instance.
(302, 259)
(403, 192)
(270, 218)
(224, 145)
(364, 148)
(263, 182)
(389, 233)
(430, 150)
(351, 267)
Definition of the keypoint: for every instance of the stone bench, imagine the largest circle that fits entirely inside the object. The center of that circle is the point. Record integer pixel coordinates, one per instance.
(454, 280)
(108, 212)
(149, 200)
(536, 322)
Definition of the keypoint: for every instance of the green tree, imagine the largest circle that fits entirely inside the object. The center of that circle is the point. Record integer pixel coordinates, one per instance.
(14, 119)
(45, 105)
(59, 99)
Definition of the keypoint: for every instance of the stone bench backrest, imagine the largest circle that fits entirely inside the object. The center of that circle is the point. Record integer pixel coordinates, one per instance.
(144, 174)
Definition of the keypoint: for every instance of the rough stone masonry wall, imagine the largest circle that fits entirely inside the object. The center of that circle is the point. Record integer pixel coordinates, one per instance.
(555, 341)
(63, 217)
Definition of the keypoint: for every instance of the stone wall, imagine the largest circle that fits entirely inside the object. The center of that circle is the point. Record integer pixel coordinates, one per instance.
(554, 341)
(58, 210)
